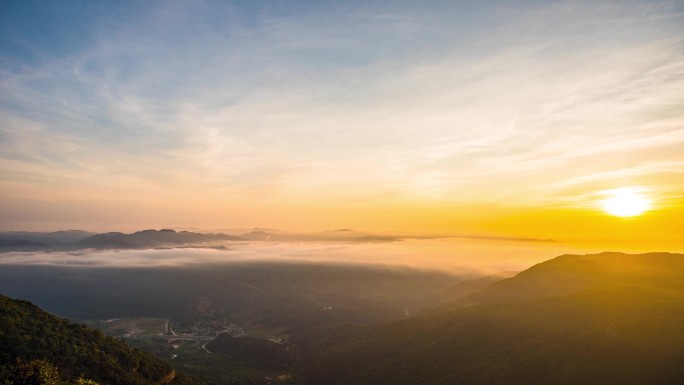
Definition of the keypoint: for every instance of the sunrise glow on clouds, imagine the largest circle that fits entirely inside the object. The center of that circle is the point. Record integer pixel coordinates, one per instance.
(438, 116)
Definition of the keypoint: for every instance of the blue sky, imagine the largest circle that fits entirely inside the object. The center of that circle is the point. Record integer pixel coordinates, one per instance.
(117, 111)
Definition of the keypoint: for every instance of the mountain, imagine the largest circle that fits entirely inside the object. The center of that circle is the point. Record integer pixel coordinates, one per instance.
(23, 245)
(36, 241)
(76, 240)
(169, 238)
(258, 235)
(341, 235)
(571, 273)
(62, 236)
(608, 318)
(32, 339)
(146, 239)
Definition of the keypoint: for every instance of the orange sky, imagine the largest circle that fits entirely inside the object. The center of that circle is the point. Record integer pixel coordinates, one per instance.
(463, 118)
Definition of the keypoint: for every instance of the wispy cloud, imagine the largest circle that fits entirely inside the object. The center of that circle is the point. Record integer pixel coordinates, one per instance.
(326, 102)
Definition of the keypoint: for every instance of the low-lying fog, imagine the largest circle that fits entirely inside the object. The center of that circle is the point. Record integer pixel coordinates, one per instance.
(452, 254)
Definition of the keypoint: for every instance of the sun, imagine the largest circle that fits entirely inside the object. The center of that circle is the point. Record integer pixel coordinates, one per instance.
(625, 202)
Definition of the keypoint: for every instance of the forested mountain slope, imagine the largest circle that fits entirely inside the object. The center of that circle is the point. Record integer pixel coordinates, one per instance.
(609, 318)
(28, 334)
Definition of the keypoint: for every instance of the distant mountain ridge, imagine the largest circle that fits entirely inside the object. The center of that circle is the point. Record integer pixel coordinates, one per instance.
(150, 239)
(76, 240)
(169, 238)
(37, 241)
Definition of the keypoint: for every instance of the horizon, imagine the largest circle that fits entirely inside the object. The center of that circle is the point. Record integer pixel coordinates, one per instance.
(454, 254)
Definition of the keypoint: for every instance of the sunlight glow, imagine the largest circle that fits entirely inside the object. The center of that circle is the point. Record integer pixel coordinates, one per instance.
(625, 202)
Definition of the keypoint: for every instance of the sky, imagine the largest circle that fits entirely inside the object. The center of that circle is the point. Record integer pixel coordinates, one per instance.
(497, 118)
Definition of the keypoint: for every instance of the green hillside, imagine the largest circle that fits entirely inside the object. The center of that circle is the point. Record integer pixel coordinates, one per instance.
(34, 343)
(599, 319)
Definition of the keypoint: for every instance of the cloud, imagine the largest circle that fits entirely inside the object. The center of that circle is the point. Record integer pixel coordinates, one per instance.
(280, 103)
(440, 254)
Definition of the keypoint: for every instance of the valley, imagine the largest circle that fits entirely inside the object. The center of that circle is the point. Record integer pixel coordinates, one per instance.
(177, 313)
(305, 324)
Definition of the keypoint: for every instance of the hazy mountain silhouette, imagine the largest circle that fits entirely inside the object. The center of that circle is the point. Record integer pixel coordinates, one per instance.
(259, 235)
(146, 239)
(168, 238)
(23, 245)
(36, 241)
(76, 239)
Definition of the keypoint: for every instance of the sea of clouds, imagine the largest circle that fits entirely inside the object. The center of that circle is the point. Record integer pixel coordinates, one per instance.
(449, 254)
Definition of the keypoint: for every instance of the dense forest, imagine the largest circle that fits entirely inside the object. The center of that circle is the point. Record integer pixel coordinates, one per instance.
(37, 345)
